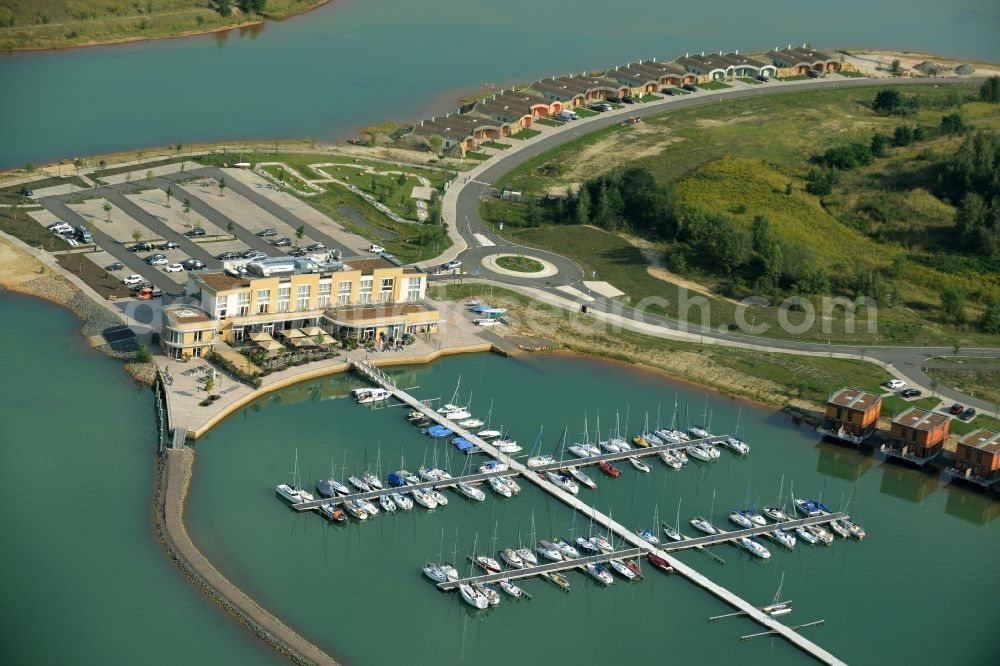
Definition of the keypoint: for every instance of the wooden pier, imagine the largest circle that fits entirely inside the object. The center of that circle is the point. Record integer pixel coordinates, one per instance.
(606, 523)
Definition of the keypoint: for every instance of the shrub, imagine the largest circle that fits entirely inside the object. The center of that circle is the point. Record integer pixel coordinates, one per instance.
(142, 354)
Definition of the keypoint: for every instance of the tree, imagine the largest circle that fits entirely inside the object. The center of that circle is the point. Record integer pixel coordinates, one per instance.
(990, 321)
(970, 219)
(582, 210)
(990, 90)
(230, 227)
(879, 145)
(300, 232)
(169, 192)
(187, 205)
(952, 124)
(888, 103)
(149, 174)
(902, 136)
(209, 384)
(251, 6)
(137, 235)
(895, 67)
(222, 187)
(767, 250)
(224, 7)
(107, 209)
(846, 157)
(953, 303)
(142, 354)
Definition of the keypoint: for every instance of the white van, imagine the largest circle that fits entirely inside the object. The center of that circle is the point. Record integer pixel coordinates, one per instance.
(566, 114)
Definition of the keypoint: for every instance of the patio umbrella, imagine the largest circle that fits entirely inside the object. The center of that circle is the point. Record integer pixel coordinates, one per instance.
(270, 345)
(259, 336)
(313, 331)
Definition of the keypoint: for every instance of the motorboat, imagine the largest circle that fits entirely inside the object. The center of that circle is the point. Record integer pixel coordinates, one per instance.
(372, 481)
(646, 440)
(455, 413)
(609, 469)
(423, 499)
(465, 446)
(786, 539)
(660, 563)
(355, 510)
(547, 550)
(556, 579)
(367, 396)
(499, 487)
(736, 445)
(527, 557)
(449, 569)
(778, 609)
(698, 432)
(488, 434)
(438, 496)
(368, 506)
(586, 544)
(562, 481)
(438, 431)
(599, 573)
(699, 453)
(824, 537)
(839, 529)
(639, 465)
(435, 573)
(288, 493)
(754, 547)
(581, 478)
(493, 466)
(670, 459)
(331, 488)
(387, 504)
(622, 570)
(330, 512)
(580, 451)
(775, 514)
(740, 520)
(602, 543)
(810, 508)
(514, 486)
(487, 563)
(856, 530)
(512, 558)
(472, 302)
(511, 589)
(671, 533)
(402, 501)
(473, 597)
(428, 474)
(806, 534)
(488, 591)
(508, 446)
(359, 483)
(540, 461)
(471, 423)
(471, 492)
(649, 536)
(713, 451)
(566, 549)
(703, 525)
(415, 415)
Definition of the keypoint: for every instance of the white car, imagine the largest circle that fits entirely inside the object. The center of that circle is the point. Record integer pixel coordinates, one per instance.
(60, 228)
(173, 268)
(131, 279)
(376, 249)
(895, 384)
(158, 261)
(451, 265)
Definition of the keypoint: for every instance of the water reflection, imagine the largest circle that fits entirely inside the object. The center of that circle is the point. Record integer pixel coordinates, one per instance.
(843, 462)
(907, 484)
(970, 505)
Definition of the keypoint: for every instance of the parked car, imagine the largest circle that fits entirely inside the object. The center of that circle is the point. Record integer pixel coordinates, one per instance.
(267, 233)
(628, 99)
(117, 266)
(61, 228)
(282, 242)
(192, 264)
(132, 279)
(613, 100)
(762, 78)
(256, 255)
(140, 286)
(226, 256)
(669, 91)
(173, 268)
(141, 247)
(814, 74)
(316, 246)
(451, 265)
(83, 234)
(895, 384)
(192, 233)
(969, 413)
(566, 114)
(910, 393)
(690, 87)
(297, 252)
(376, 249)
(601, 107)
(957, 409)
(157, 261)
(169, 245)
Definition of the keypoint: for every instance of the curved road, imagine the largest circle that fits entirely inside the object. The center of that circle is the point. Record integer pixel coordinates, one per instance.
(905, 361)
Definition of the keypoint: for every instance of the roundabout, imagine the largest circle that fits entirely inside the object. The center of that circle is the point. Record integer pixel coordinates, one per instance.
(519, 265)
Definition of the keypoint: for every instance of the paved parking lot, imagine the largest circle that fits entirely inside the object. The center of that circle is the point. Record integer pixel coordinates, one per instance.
(152, 201)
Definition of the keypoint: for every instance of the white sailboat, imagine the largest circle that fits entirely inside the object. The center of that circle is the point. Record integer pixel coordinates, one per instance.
(293, 492)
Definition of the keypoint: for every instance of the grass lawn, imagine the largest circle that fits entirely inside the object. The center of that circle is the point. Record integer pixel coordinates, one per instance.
(796, 77)
(584, 112)
(549, 122)
(649, 97)
(851, 74)
(286, 176)
(960, 427)
(714, 85)
(473, 155)
(678, 91)
(31, 232)
(524, 134)
(893, 404)
(520, 263)
(980, 383)
(495, 145)
(103, 283)
(747, 79)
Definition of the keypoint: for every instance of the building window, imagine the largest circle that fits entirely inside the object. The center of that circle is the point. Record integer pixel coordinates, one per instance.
(197, 336)
(365, 293)
(221, 311)
(323, 297)
(284, 294)
(344, 292)
(302, 297)
(413, 289)
(385, 290)
(244, 303)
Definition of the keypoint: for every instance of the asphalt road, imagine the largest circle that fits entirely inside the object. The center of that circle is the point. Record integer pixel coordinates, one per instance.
(907, 360)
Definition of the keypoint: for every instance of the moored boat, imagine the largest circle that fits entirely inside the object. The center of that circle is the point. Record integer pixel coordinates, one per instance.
(358, 483)
(566, 549)
(856, 530)
(510, 556)
(824, 537)
(609, 469)
(473, 597)
(487, 563)
(581, 478)
(548, 550)
(355, 510)
(288, 493)
(602, 543)
(670, 459)
(499, 487)
(402, 501)
(372, 481)
(586, 544)
(330, 512)
(450, 570)
(740, 520)
(471, 492)
(435, 573)
(556, 579)
(775, 514)
(754, 547)
(699, 453)
(648, 536)
(423, 499)
(671, 533)
(493, 466)
(698, 432)
(438, 496)
(639, 465)
(386, 503)
(528, 557)
(660, 563)
(810, 508)
(806, 534)
(839, 529)
(786, 539)
(507, 446)
(488, 591)
(563, 482)
(488, 434)
(622, 570)
(366, 396)
(539, 461)
(736, 445)
(703, 525)
(599, 573)
(510, 588)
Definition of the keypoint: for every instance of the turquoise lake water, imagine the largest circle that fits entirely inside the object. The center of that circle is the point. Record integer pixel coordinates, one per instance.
(357, 62)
